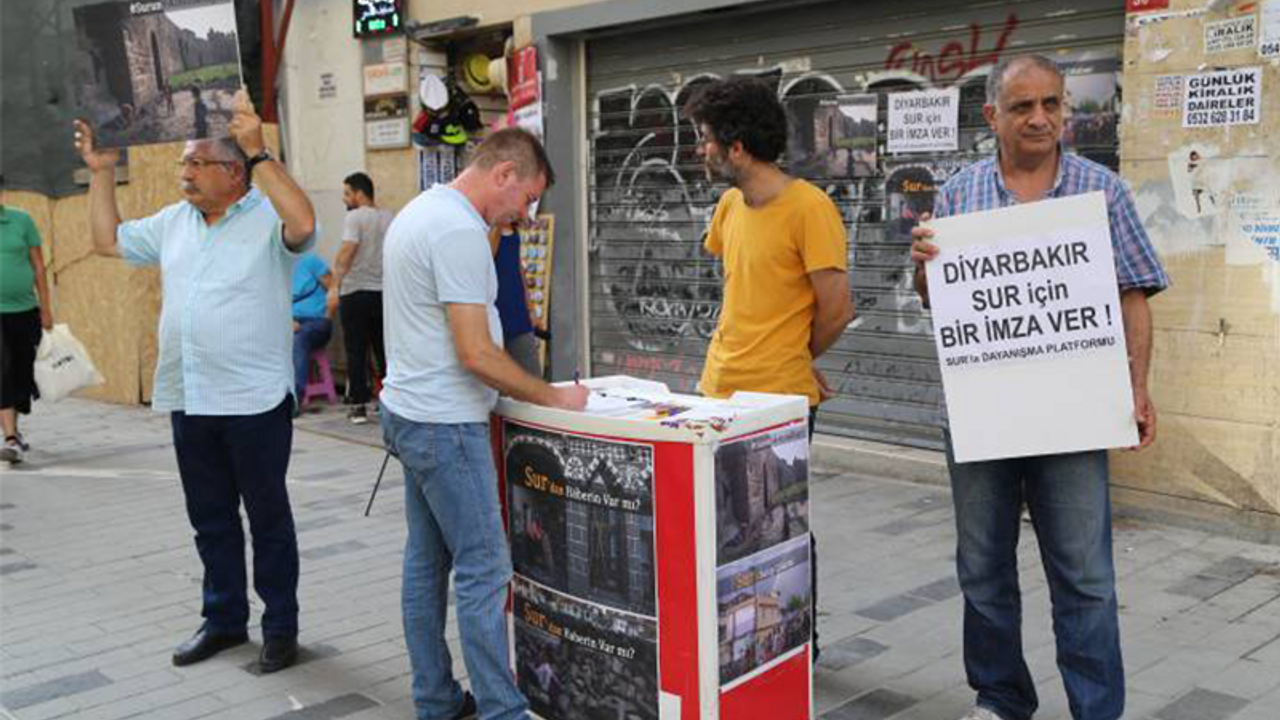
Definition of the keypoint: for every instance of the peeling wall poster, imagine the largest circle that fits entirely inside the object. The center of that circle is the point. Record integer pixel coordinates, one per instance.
(1269, 33)
(1262, 227)
(1222, 98)
(1232, 34)
(1168, 94)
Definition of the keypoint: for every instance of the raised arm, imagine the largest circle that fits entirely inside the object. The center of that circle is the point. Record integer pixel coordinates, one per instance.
(289, 200)
(104, 214)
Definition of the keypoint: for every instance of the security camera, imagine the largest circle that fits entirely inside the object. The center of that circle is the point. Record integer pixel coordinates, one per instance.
(1220, 6)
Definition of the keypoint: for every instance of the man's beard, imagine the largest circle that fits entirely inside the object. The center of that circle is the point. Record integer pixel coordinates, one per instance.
(719, 170)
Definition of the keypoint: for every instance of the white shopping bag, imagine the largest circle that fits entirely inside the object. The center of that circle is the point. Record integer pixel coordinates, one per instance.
(62, 365)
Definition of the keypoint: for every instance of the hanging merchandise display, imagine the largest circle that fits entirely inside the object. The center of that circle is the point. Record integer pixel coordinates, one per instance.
(473, 71)
(449, 115)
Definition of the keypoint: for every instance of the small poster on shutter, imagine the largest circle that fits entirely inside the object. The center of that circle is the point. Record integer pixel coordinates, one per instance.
(924, 121)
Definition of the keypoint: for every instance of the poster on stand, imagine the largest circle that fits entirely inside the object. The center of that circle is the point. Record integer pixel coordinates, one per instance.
(765, 607)
(580, 661)
(581, 515)
(762, 491)
(156, 71)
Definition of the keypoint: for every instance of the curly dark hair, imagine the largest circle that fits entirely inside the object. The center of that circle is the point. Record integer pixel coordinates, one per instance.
(743, 109)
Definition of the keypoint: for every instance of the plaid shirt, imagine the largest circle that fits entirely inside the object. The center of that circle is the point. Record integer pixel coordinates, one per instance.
(981, 187)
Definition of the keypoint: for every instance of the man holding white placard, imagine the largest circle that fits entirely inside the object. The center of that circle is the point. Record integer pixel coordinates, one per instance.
(1066, 492)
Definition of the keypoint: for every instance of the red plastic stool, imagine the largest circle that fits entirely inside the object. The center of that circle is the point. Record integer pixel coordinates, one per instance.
(320, 379)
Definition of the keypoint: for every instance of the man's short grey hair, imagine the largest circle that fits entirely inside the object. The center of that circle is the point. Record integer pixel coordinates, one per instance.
(995, 79)
(227, 149)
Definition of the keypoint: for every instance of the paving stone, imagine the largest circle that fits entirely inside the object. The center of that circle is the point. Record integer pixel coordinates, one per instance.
(325, 551)
(893, 608)
(341, 706)
(306, 654)
(317, 523)
(118, 586)
(849, 652)
(938, 590)
(11, 568)
(1202, 705)
(875, 705)
(1203, 586)
(23, 697)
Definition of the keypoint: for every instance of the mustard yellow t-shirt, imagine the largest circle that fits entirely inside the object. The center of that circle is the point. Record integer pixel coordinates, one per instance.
(766, 318)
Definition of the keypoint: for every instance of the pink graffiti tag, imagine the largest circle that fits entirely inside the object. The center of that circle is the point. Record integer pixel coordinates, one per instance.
(953, 61)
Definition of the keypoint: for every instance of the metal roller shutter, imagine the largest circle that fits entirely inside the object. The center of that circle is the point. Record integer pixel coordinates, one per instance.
(654, 294)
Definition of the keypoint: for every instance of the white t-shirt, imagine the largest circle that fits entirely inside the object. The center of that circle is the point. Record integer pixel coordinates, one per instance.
(437, 253)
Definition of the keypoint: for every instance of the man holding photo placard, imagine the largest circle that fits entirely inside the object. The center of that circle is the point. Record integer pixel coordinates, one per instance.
(1066, 493)
(224, 372)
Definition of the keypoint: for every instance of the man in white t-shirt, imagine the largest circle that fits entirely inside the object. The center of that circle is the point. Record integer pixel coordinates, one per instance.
(446, 367)
(357, 288)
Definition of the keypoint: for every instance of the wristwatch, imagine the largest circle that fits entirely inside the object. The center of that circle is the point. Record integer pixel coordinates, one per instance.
(253, 161)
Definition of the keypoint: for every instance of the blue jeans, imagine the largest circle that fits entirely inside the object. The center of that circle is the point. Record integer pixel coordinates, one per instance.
(224, 459)
(311, 335)
(1068, 497)
(451, 506)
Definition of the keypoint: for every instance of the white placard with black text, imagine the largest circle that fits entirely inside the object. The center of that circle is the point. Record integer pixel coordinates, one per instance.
(924, 121)
(1030, 337)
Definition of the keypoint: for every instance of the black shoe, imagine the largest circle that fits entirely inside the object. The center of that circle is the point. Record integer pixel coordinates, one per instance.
(277, 654)
(204, 645)
(468, 710)
(357, 415)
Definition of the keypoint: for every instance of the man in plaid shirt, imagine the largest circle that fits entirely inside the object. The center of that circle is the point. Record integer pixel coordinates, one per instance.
(1067, 494)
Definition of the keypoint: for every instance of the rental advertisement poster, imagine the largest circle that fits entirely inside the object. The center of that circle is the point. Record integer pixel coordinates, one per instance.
(1029, 332)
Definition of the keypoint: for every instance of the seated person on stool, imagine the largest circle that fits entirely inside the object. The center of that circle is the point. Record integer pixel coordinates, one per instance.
(312, 317)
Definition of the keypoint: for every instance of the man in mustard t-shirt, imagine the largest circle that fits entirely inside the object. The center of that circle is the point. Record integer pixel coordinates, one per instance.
(784, 249)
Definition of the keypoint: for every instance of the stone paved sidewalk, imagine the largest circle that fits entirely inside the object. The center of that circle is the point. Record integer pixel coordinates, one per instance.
(99, 580)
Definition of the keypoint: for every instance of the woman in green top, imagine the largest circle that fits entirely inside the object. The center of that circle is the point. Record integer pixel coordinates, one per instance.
(22, 279)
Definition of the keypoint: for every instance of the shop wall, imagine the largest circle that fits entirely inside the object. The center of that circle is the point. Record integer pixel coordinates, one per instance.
(1216, 366)
(325, 133)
